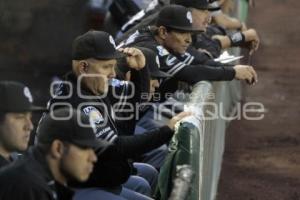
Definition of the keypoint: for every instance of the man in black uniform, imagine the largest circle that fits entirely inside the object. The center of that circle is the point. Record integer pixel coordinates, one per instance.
(93, 67)
(15, 119)
(211, 41)
(64, 152)
(171, 40)
(214, 38)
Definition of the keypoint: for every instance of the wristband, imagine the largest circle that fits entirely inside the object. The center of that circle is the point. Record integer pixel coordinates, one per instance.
(237, 39)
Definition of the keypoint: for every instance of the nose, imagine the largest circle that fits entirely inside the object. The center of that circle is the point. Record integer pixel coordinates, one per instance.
(208, 17)
(29, 124)
(188, 38)
(155, 84)
(93, 157)
(112, 73)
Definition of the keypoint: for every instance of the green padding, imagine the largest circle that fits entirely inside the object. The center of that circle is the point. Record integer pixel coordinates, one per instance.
(184, 149)
(243, 10)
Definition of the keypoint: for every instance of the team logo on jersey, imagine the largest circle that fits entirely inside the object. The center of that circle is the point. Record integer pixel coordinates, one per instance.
(162, 51)
(111, 40)
(116, 83)
(189, 16)
(170, 60)
(28, 94)
(94, 114)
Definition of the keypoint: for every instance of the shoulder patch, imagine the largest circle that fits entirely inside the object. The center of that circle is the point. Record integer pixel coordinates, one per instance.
(94, 114)
(116, 82)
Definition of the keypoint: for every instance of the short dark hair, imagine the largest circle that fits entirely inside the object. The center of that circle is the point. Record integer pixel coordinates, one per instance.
(45, 148)
(154, 30)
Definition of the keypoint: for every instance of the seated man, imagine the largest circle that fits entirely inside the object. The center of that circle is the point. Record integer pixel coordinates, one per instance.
(145, 121)
(222, 19)
(211, 41)
(64, 152)
(86, 88)
(15, 119)
(171, 40)
(214, 38)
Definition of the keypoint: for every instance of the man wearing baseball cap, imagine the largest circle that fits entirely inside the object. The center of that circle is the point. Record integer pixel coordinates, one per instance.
(65, 151)
(155, 157)
(171, 39)
(214, 38)
(15, 119)
(87, 89)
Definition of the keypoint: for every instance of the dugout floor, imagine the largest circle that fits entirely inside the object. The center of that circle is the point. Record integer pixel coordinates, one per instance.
(262, 158)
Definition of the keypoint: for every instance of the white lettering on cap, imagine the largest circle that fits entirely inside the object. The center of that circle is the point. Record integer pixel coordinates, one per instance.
(28, 94)
(189, 17)
(112, 41)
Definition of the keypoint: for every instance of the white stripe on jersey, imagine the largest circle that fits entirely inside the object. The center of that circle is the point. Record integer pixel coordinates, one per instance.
(188, 60)
(175, 67)
(109, 135)
(113, 139)
(181, 65)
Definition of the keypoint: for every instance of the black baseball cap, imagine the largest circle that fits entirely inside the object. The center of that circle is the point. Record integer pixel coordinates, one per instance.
(152, 62)
(16, 98)
(198, 4)
(176, 17)
(66, 124)
(95, 44)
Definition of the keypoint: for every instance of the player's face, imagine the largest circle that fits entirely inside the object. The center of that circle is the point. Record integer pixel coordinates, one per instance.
(177, 42)
(201, 19)
(15, 131)
(77, 163)
(98, 73)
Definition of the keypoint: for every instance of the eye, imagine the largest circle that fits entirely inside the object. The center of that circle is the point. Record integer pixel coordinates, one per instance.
(20, 116)
(107, 66)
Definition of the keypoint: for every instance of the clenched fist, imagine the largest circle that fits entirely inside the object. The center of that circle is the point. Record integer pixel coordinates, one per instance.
(134, 57)
(245, 72)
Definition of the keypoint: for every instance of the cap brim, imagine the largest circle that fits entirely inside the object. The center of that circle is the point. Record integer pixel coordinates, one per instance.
(159, 74)
(116, 55)
(201, 7)
(185, 29)
(37, 109)
(28, 109)
(98, 145)
(211, 9)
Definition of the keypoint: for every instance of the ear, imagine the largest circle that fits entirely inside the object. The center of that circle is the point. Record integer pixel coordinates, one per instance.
(57, 149)
(162, 31)
(83, 67)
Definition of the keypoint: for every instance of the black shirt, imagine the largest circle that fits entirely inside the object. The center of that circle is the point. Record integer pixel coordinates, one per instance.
(3, 161)
(204, 40)
(30, 178)
(112, 167)
(190, 67)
